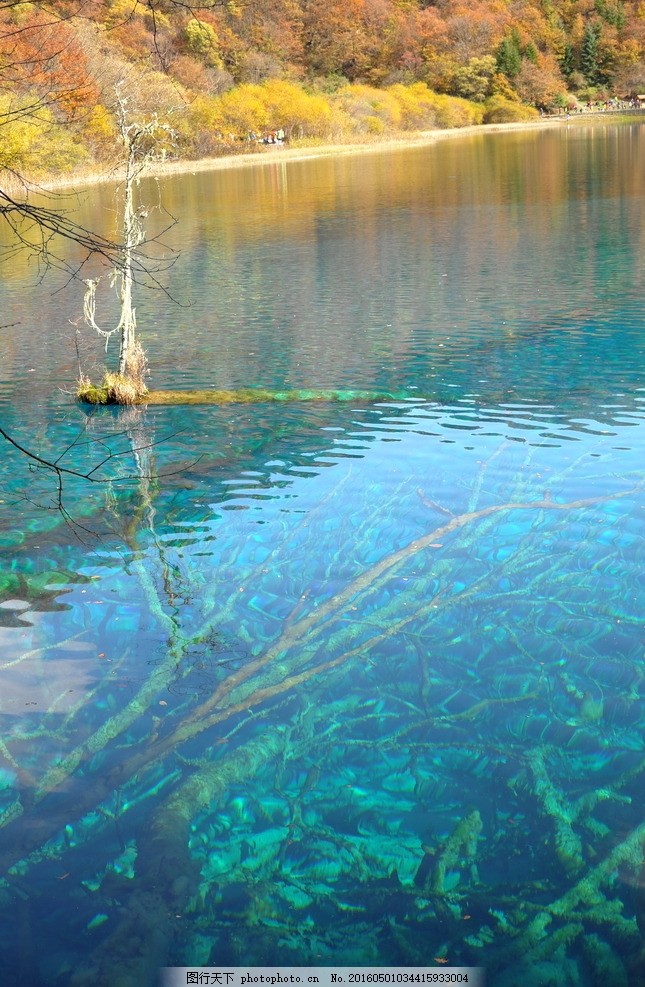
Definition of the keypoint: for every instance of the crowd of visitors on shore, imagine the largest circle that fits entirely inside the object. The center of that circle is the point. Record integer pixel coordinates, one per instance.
(606, 105)
(271, 137)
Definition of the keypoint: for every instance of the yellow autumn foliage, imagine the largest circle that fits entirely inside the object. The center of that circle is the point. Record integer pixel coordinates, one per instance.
(18, 137)
(272, 105)
(253, 109)
(99, 127)
(454, 111)
(202, 41)
(121, 12)
(416, 106)
(241, 111)
(297, 112)
(400, 107)
(498, 109)
(370, 109)
(33, 144)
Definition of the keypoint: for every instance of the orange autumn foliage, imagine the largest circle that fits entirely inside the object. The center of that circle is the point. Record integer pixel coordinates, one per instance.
(216, 66)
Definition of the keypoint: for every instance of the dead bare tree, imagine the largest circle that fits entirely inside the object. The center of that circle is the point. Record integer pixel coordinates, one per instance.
(143, 142)
(42, 222)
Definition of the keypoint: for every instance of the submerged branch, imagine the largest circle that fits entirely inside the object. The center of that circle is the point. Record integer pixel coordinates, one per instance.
(229, 698)
(54, 465)
(339, 603)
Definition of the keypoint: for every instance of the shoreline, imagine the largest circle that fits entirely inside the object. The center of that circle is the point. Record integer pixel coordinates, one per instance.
(284, 153)
(289, 153)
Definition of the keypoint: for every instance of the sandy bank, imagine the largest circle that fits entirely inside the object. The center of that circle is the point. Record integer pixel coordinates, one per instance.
(269, 154)
(263, 155)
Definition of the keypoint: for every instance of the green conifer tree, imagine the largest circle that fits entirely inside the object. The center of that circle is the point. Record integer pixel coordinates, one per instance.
(508, 55)
(589, 63)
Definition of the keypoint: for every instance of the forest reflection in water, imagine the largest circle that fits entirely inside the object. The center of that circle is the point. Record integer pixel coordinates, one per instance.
(345, 684)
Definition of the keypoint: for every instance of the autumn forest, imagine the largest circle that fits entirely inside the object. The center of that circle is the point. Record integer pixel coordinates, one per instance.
(224, 73)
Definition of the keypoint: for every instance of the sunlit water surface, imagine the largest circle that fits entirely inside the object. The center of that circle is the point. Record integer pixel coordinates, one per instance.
(338, 683)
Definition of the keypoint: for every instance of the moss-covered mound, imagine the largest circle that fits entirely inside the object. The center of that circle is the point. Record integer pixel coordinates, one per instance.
(113, 389)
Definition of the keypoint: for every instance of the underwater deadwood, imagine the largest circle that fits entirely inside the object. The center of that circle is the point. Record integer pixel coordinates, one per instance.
(232, 695)
(102, 394)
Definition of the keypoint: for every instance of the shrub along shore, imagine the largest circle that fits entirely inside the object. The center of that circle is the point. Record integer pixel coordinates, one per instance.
(244, 120)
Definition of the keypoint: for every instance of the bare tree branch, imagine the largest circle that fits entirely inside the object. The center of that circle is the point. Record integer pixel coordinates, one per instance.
(94, 474)
(55, 467)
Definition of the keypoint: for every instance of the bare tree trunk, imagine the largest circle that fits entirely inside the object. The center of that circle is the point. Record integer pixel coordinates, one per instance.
(131, 239)
(142, 142)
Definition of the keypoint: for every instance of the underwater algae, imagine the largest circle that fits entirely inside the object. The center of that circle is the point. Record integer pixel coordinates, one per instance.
(444, 882)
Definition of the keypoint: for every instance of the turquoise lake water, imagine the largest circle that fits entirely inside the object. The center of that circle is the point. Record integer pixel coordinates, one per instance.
(350, 683)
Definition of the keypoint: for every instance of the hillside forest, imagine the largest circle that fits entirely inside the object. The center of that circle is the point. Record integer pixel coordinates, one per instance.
(224, 74)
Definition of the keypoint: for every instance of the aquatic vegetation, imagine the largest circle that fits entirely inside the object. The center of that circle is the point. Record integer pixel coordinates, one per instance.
(113, 389)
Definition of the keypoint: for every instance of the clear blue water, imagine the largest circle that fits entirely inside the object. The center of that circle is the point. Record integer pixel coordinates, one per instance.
(339, 684)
